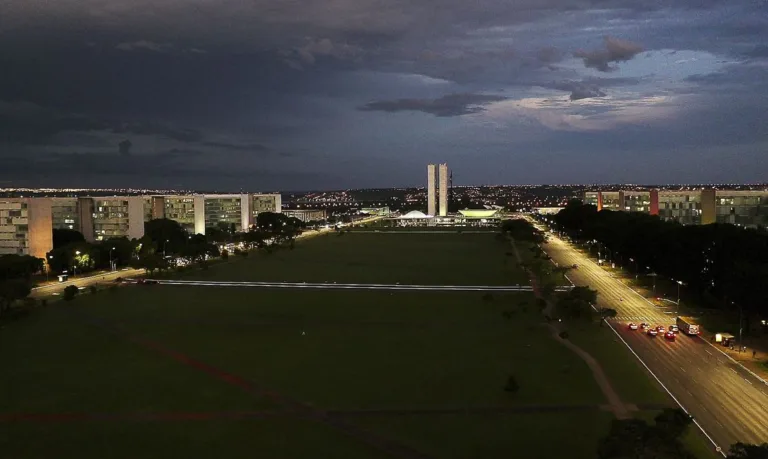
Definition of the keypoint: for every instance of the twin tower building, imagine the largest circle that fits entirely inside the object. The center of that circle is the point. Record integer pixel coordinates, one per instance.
(437, 187)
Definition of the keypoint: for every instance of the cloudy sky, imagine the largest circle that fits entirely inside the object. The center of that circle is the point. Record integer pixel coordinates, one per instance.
(310, 94)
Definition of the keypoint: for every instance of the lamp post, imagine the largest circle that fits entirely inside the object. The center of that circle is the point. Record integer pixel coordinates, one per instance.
(111, 266)
(164, 243)
(741, 345)
(654, 280)
(635, 262)
(679, 283)
(74, 264)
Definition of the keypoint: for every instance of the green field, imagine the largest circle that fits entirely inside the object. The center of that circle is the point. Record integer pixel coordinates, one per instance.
(386, 258)
(171, 371)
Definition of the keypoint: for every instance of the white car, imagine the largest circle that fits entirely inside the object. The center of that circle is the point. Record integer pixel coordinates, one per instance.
(632, 326)
(652, 332)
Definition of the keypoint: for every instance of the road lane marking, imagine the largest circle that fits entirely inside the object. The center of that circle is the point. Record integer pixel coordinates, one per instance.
(747, 380)
(707, 352)
(683, 370)
(696, 422)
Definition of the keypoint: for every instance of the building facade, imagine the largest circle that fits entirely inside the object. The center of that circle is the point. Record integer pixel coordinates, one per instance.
(26, 226)
(431, 190)
(443, 189)
(64, 213)
(747, 208)
(306, 215)
(110, 217)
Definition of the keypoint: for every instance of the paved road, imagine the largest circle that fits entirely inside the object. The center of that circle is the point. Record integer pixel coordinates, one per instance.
(58, 287)
(346, 286)
(727, 401)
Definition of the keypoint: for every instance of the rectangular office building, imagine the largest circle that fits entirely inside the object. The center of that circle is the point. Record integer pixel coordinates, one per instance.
(747, 208)
(111, 217)
(26, 226)
(306, 215)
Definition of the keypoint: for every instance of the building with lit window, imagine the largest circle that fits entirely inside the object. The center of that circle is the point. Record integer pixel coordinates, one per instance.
(266, 203)
(111, 217)
(306, 215)
(64, 213)
(26, 226)
(748, 208)
(742, 207)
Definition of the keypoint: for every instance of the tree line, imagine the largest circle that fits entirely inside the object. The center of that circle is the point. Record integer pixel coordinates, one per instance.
(724, 264)
(165, 244)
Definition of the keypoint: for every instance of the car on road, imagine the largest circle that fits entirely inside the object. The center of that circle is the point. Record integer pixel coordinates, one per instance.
(575, 266)
(670, 335)
(652, 332)
(632, 326)
(660, 329)
(644, 326)
(673, 328)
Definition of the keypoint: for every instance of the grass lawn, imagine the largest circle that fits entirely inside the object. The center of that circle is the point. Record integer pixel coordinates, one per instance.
(359, 350)
(362, 349)
(454, 259)
(258, 438)
(535, 436)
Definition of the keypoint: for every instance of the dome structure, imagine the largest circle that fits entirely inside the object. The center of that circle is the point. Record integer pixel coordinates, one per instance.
(415, 214)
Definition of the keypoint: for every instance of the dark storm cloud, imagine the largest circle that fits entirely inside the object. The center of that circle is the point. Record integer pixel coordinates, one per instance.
(579, 90)
(125, 147)
(590, 87)
(446, 106)
(758, 51)
(616, 50)
(226, 81)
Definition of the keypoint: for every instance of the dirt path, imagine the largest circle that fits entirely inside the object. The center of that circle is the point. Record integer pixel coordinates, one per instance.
(618, 408)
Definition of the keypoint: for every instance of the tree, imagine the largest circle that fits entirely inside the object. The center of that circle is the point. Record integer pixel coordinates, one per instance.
(63, 237)
(577, 303)
(748, 451)
(673, 422)
(70, 292)
(512, 385)
(606, 313)
(19, 266)
(634, 438)
(11, 291)
(166, 235)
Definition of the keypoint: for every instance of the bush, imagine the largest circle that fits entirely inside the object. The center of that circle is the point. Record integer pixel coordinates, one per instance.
(92, 289)
(224, 254)
(70, 293)
(44, 302)
(563, 334)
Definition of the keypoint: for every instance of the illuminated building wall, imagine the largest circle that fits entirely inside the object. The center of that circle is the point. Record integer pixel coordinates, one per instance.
(264, 203)
(112, 217)
(180, 209)
(747, 208)
(681, 206)
(306, 215)
(431, 184)
(637, 201)
(26, 226)
(226, 210)
(443, 187)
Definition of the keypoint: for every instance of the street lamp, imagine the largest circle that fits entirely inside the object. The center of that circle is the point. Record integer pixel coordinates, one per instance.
(164, 243)
(111, 266)
(74, 265)
(635, 262)
(654, 280)
(679, 283)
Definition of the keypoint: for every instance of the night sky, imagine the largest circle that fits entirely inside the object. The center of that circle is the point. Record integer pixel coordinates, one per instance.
(299, 94)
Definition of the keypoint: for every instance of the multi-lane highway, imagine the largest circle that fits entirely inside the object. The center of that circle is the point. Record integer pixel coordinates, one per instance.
(728, 402)
(84, 281)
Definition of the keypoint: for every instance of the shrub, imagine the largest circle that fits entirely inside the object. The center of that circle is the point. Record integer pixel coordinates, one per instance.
(92, 289)
(563, 334)
(70, 293)
(224, 254)
(44, 302)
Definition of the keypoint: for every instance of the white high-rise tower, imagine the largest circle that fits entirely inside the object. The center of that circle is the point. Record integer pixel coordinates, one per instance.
(443, 190)
(431, 184)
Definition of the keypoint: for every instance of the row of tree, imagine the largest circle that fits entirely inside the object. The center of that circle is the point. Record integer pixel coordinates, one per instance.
(724, 263)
